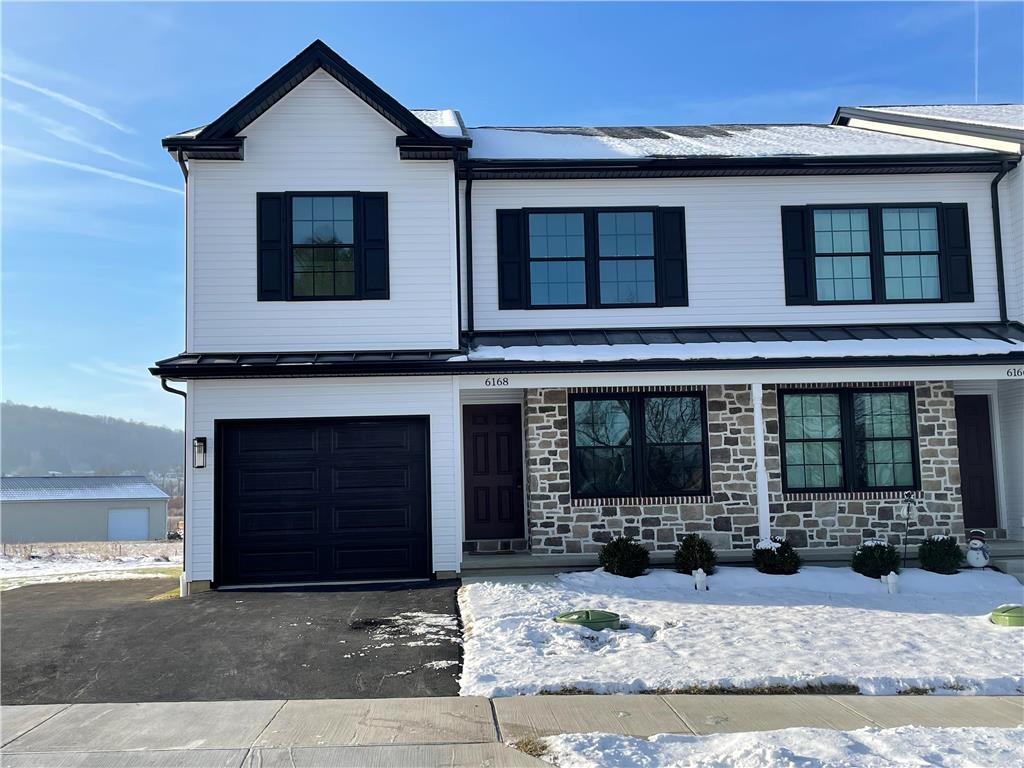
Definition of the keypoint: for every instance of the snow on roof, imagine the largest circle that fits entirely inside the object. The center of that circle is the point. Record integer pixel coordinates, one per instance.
(446, 122)
(78, 488)
(749, 350)
(994, 115)
(565, 143)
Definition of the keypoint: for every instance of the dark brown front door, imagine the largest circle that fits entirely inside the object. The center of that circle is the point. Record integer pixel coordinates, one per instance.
(977, 479)
(492, 439)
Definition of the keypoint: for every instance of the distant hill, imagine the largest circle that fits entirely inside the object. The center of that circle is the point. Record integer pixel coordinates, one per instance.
(36, 441)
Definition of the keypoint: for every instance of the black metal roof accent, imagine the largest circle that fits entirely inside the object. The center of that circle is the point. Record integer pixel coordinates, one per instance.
(317, 55)
(419, 362)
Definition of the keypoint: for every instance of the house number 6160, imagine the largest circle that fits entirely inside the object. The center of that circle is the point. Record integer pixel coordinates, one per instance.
(496, 381)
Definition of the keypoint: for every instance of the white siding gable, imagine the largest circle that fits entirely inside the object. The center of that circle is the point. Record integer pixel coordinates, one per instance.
(320, 137)
(734, 247)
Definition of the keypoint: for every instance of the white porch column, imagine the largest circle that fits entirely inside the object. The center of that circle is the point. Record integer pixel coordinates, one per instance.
(763, 525)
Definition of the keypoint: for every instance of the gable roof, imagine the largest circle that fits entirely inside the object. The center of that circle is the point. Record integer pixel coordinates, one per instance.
(699, 141)
(999, 121)
(78, 488)
(221, 139)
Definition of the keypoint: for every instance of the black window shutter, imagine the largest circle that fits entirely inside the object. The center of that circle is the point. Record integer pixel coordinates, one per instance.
(957, 251)
(511, 260)
(672, 257)
(796, 255)
(270, 247)
(375, 245)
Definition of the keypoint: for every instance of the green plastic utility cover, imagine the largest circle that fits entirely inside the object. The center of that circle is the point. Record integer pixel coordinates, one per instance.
(1009, 616)
(591, 619)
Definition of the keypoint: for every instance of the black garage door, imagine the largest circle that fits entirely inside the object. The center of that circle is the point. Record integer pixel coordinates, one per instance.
(322, 500)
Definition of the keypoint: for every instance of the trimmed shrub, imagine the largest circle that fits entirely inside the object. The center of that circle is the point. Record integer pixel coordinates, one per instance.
(695, 552)
(624, 557)
(875, 558)
(940, 554)
(776, 556)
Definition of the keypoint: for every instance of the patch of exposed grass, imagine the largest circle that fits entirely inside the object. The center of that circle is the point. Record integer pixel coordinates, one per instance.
(568, 690)
(170, 594)
(531, 746)
(915, 690)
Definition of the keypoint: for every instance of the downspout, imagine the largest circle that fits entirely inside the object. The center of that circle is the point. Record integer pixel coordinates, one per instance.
(181, 164)
(458, 253)
(469, 250)
(760, 472)
(183, 587)
(997, 236)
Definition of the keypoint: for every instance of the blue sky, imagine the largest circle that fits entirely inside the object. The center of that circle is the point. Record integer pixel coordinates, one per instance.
(92, 210)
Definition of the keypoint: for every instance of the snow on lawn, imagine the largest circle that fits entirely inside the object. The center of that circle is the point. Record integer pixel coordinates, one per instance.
(49, 567)
(804, 747)
(820, 626)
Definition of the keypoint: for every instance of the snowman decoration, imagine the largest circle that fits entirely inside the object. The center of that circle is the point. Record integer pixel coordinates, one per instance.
(977, 551)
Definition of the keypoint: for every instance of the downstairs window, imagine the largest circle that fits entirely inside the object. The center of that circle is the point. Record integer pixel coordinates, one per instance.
(638, 444)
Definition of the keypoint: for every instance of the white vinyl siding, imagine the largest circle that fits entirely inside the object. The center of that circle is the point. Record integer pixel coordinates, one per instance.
(1011, 220)
(326, 398)
(1011, 432)
(733, 247)
(320, 137)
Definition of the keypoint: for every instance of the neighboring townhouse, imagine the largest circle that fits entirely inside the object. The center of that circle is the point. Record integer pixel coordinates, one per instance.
(410, 343)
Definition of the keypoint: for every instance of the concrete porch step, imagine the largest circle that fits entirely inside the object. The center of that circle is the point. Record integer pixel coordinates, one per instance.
(1012, 566)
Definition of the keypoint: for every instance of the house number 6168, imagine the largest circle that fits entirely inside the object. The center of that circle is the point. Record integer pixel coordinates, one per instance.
(496, 381)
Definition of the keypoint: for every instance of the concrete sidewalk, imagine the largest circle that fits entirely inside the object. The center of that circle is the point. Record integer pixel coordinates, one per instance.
(449, 731)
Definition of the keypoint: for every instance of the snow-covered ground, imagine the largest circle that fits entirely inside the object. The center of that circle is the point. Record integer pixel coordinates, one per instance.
(820, 626)
(795, 748)
(90, 561)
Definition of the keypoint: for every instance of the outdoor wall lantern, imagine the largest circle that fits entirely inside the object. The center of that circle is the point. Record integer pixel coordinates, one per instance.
(199, 453)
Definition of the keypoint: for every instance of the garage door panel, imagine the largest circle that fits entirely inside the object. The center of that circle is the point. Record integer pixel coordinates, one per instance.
(377, 478)
(278, 565)
(277, 521)
(373, 519)
(354, 506)
(261, 480)
(373, 561)
(293, 441)
(369, 436)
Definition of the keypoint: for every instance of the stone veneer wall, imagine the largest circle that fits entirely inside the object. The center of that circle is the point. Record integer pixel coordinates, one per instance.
(844, 520)
(727, 516)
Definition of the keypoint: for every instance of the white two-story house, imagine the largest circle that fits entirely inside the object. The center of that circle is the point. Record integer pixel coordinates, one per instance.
(411, 344)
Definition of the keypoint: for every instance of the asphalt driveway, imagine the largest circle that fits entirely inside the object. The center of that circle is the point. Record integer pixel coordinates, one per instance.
(109, 642)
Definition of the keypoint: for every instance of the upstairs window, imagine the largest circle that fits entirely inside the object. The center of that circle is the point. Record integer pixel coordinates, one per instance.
(638, 445)
(591, 257)
(322, 246)
(910, 244)
(625, 249)
(877, 254)
(842, 261)
(557, 260)
(849, 440)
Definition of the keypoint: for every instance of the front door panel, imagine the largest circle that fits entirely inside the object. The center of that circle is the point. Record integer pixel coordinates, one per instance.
(493, 456)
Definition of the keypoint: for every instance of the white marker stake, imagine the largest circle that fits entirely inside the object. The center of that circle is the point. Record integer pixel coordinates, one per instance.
(700, 579)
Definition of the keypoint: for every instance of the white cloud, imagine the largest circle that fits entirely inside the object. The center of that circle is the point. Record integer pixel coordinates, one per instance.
(68, 101)
(35, 156)
(64, 132)
(116, 372)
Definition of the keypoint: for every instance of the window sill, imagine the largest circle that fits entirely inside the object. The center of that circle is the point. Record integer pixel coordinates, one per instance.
(641, 501)
(895, 495)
